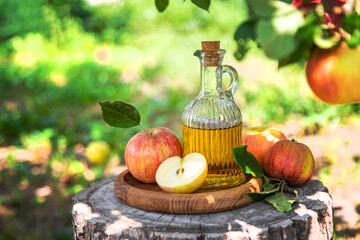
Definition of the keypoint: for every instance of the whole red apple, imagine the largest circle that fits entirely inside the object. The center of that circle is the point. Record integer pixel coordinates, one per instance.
(260, 139)
(334, 74)
(291, 161)
(146, 151)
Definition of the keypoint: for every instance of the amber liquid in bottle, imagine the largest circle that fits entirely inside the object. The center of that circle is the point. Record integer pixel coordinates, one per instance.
(215, 145)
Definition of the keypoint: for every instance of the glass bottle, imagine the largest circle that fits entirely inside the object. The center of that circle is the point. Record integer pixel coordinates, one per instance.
(212, 122)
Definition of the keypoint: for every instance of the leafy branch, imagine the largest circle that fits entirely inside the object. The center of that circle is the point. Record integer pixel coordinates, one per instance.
(288, 30)
(273, 188)
(161, 5)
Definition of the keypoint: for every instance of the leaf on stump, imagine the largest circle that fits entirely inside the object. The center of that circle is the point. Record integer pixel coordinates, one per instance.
(256, 197)
(269, 189)
(281, 202)
(267, 185)
(247, 161)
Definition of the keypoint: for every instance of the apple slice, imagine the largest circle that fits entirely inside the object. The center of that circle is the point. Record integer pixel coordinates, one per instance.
(182, 175)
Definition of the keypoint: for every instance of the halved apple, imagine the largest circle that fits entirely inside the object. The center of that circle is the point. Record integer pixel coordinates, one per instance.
(182, 175)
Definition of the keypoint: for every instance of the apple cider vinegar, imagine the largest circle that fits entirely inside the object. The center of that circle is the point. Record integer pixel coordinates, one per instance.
(212, 122)
(215, 145)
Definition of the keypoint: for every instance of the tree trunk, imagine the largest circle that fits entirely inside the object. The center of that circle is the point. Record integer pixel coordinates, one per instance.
(98, 214)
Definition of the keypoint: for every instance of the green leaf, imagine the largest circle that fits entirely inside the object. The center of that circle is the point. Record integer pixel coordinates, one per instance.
(267, 185)
(247, 161)
(243, 36)
(281, 202)
(351, 23)
(270, 8)
(161, 4)
(269, 189)
(277, 35)
(355, 39)
(304, 36)
(246, 30)
(204, 4)
(256, 197)
(120, 114)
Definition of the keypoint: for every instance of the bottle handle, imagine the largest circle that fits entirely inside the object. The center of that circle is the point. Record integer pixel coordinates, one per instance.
(234, 80)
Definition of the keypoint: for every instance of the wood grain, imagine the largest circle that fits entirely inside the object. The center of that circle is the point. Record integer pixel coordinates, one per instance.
(152, 198)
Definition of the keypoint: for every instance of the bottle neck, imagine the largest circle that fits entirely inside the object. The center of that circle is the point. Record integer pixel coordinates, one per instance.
(209, 82)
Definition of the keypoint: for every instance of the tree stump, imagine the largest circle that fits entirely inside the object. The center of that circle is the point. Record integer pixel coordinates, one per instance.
(98, 214)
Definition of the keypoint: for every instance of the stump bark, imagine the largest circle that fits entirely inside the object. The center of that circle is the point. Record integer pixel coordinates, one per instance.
(98, 214)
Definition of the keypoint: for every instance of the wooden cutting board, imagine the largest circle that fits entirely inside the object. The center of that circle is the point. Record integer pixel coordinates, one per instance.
(152, 198)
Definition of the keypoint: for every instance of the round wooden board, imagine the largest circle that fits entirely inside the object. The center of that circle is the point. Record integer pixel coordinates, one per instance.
(152, 198)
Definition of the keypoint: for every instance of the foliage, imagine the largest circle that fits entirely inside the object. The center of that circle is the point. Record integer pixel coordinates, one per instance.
(273, 188)
(247, 161)
(288, 34)
(287, 31)
(37, 197)
(29, 13)
(161, 5)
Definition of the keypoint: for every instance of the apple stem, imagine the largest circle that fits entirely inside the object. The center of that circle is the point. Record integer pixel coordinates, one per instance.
(147, 133)
(274, 179)
(282, 185)
(288, 189)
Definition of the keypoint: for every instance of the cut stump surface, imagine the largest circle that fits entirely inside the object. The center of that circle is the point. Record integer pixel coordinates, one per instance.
(99, 214)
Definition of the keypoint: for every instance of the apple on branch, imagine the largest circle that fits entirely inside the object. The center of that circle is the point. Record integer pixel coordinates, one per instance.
(182, 175)
(334, 74)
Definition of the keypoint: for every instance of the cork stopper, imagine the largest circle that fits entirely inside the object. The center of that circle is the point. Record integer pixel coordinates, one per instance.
(210, 45)
(211, 55)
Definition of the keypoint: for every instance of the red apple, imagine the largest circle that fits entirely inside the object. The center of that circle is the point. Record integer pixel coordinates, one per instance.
(146, 151)
(260, 139)
(334, 74)
(291, 161)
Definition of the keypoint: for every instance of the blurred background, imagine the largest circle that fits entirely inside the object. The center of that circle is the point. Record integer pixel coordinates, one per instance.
(59, 58)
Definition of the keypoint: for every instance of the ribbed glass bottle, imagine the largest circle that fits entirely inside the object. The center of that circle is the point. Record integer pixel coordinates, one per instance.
(212, 122)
